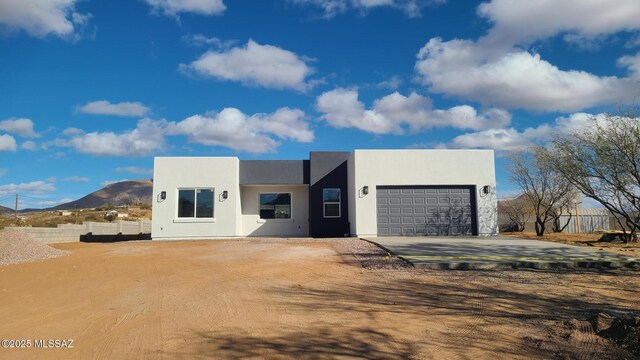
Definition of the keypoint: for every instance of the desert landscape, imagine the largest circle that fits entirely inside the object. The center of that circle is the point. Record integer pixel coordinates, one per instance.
(279, 298)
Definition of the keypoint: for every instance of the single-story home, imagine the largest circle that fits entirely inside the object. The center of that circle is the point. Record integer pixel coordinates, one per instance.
(331, 194)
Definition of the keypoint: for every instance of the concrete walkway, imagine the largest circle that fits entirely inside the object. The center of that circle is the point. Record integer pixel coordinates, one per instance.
(498, 253)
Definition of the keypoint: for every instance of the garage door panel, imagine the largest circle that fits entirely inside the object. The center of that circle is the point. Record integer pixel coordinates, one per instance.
(426, 210)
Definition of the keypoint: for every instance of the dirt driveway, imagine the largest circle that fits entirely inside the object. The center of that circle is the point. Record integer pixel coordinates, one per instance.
(274, 299)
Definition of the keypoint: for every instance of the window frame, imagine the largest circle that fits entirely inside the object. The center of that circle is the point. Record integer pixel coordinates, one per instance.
(195, 217)
(339, 202)
(289, 219)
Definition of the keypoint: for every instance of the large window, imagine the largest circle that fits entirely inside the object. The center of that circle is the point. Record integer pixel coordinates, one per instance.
(195, 203)
(331, 202)
(275, 206)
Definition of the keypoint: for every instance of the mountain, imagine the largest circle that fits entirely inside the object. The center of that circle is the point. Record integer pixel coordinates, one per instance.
(120, 193)
(4, 209)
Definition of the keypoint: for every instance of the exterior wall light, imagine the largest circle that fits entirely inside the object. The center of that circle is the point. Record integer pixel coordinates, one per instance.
(365, 190)
(225, 194)
(485, 190)
(163, 195)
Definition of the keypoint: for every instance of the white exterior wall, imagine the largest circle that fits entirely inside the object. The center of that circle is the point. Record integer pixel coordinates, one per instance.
(252, 225)
(171, 173)
(374, 168)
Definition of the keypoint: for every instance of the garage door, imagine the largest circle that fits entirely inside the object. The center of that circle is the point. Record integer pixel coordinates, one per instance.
(425, 210)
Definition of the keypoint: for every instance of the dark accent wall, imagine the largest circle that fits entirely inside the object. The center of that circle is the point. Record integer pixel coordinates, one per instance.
(328, 170)
(277, 172)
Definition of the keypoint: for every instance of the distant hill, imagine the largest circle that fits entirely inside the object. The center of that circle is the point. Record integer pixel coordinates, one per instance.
(120, 193)
(4, 209)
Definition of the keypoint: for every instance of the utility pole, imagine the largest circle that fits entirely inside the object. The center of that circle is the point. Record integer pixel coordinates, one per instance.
(16, 212)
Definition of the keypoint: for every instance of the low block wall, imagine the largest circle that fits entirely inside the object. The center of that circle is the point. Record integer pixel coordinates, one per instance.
(73, 233)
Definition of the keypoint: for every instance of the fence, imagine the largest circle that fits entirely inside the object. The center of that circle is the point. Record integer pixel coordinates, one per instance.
(73, 233)
(588, 221)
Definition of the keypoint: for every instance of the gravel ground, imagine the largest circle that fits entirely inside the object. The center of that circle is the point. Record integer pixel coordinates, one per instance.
(16, 247)
(371, 256)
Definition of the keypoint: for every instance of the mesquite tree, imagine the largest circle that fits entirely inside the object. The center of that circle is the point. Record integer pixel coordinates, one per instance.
(518, 210)
(544, 188)
(603, 162)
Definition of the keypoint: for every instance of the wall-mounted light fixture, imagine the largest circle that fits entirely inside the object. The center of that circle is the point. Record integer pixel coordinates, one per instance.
(365, 190)
(225, 194)
(485, 190)
(163, 195)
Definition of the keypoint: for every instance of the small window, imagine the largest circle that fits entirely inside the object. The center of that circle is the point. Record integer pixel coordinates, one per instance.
(195, 203)
(275, 206)
(331, 199)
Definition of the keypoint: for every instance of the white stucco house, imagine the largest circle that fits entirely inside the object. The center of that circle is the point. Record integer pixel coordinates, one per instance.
(331, 194)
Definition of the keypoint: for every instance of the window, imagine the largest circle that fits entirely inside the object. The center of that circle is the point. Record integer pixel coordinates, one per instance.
(275, 206)
(331, 203)
(195, 203)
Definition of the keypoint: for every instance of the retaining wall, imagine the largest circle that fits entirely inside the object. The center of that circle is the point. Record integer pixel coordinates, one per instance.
(72, 233)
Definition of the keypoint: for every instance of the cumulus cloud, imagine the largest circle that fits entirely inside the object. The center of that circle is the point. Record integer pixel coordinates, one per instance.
(146, 139)
(516, 21)
(35, 187)
(21, 127)
(104, 107)
(76, 179)
(517, 78)
(511, 139)
(200, 7)
(134, 170)
(331, 8)
(257, 133)
(29, 145)
(254, 64)
(7, 143)
(496, 71)
(40, 18)
(395, 113)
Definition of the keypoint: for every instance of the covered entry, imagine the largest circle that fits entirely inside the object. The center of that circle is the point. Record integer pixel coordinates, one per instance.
(426, 210)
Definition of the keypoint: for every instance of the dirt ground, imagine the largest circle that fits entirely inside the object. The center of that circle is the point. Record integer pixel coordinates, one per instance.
(591, 240)
(279, 299)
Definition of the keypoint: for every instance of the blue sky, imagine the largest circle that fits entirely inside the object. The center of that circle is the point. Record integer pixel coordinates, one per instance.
(91, 91)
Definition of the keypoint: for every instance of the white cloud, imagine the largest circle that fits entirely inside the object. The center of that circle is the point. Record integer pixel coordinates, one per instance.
(201, 7)
(76, 178)
(496, 71)
(147, 138)
(393, 113)
(254, 64)
(7, 143)
(134, 170)
(35, 187)
(516, 21)
(21, 127)
(331, 8)
(29, 145)
(72, 131)
(516, 78)
(233, 129)
(109, 182)
(40, 18)
(392, 83)
(510, 139)
(104, 107)
(203, 40)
